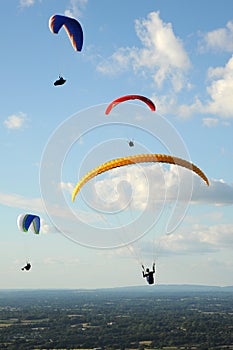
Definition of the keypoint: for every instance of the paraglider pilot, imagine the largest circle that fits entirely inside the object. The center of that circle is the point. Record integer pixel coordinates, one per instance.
(59, 81)
(131, 143)
(149, 275)
(26, 267)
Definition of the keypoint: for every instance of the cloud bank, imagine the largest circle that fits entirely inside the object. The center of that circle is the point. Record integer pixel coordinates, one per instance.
(162, 54)
(150, 183)
(220, 39)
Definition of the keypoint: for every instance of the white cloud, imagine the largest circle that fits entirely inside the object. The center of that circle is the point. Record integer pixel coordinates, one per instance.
(161, 48)
(46, 228)
(17, 201)
(162, 55)
(36, 205)
(219, 39)
(26, 3)
(169, 104)
(210, 122)
(218, 193)
(15, 121)
(219, 88)
(220, 91)
(163, 58)
(119, 62)
(192, 240)
(142, 186)
(122, 186)
(67, 186)
(75, 8)
(62, 261)
(115, 193)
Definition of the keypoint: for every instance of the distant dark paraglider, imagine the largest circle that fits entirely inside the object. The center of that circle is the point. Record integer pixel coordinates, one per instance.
(131, 143)
(144, 99)
(26, 267)
(29, 221)
(72, 27)
(59, 81)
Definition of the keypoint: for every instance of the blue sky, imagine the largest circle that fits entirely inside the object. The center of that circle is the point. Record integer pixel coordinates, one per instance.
(179, 54)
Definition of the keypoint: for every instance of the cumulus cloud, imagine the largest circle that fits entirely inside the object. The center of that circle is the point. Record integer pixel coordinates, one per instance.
(163, 59)
(220, 39)
(162, 54)
(219, 80)
(46, 228)
(189, 241)
(200, 238)
(26, 3)
(75, 8)
(142, 187)
(129, 190)
(218, 193)
(194, 240)
(219, 90)
(15, 121)
(219, 84)
(67, 186)
(210, 122)
(170, 104)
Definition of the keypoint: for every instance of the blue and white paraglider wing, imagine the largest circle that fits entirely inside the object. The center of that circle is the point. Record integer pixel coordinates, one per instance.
(26, 222)
(72, 27)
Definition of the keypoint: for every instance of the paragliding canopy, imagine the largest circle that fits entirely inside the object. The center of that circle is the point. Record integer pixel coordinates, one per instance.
(59, 81)
(29, 221)
(72, 27)
(139, 158)
(130, 97)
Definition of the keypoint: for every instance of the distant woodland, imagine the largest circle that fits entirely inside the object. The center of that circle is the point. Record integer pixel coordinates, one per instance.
(116, 319)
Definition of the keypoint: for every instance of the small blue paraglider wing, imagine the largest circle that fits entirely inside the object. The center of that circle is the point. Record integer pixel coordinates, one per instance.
(29, 221)
(72, 27)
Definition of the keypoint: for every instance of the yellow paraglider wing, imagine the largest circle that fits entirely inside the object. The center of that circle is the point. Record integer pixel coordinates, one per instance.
(140, 158)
